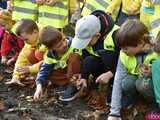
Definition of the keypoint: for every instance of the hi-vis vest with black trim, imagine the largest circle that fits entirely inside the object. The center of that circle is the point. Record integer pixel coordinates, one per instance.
(62, 62)
(56, 16)
(108, 43)
(91, 5)
(24, 9)
(130, 63)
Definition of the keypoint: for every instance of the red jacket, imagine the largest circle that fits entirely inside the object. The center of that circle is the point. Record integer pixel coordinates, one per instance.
(11, 42)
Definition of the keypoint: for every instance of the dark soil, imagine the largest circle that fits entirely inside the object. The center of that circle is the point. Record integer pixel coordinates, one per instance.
(16, 103)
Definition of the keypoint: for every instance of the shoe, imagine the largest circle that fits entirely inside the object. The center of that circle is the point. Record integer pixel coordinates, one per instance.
(60, 89)
(128, 101)
(69, 94)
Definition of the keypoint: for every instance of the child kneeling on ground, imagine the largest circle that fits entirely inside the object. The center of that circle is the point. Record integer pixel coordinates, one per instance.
(60, 63)
(30, 57)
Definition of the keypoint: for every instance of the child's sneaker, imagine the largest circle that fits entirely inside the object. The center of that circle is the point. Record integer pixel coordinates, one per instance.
(69, 94)
(60, 89)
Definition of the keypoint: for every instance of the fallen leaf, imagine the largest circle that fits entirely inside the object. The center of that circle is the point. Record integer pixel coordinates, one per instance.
(1, 77)
(2, 105)
(29, 98)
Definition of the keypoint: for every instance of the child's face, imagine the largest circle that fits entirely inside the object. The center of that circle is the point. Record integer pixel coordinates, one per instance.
(6, 24)
(132, 51)
(30, 38)
(61, 47)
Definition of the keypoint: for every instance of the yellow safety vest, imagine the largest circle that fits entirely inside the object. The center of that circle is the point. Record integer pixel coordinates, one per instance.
(130, 62)
(108, 43)
(147, 3)
(24, 9)
(56, 16)
(155, 23)
(62, 62)
(91, 5)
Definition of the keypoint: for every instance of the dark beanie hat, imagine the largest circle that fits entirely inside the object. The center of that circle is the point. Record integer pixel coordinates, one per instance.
(107, 22)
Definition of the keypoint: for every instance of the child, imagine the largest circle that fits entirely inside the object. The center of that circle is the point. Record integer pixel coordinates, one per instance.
(95, 35)
(132, 37)
(9, 41)
(60, 63)
(28, 61)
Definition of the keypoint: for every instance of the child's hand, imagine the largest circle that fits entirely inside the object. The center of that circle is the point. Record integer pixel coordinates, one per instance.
(10, 61)
(144, 70)
(39, 92)
(105, 77)
(51, 2)
(114, 118)
(3, 60)
(23, 70)
(82, 83)
(40, 1)
(14, 81)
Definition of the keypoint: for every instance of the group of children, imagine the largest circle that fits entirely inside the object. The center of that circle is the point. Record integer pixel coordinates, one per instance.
(124, 59)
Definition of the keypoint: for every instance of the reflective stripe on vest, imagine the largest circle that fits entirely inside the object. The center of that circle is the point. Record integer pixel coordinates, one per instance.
(60, 63)
(24, 9)
(91, 5)
(108, 42)
(56, 16)
(155, 24)
(91, 51)
(130, 63)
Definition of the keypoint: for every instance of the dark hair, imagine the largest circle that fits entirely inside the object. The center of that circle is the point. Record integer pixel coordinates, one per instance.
(157, 44)
(49, 36)
(132, 33)
(26, 26)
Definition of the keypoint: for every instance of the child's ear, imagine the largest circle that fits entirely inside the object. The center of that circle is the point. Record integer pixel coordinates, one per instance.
(35, 31)
(98, 34)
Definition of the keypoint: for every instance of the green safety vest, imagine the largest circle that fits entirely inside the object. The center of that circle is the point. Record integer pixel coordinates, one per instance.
(108, 42)
(130, 63)
(155, 23)
(56, 16)
(91, 5)
(62, 62)
(24, 9)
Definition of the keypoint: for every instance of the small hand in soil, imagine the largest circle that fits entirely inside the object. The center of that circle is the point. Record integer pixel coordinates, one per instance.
(14, 81)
